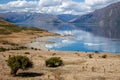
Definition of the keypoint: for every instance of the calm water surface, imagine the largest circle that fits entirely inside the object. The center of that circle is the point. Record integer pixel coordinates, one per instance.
(83, 40)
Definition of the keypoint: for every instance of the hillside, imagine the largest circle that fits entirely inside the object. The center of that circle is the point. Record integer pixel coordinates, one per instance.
(106, 20)
(30, 19)
(12, 33)
(108, 16)
(66, 17)
(7, 28)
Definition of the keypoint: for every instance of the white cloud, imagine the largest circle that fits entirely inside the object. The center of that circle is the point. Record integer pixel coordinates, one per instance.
(55, 6)
(49, 3)
(94, 2)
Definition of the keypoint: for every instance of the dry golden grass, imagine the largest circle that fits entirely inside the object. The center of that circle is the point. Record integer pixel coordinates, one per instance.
(75, 67)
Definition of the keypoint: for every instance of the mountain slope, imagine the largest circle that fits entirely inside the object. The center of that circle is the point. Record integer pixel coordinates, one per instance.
(66, 17)
(30, 19)
(7, 28)
(108, 16)
(107, 21)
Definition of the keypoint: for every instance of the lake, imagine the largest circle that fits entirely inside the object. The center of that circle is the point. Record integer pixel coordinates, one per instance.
(85, 38)
(84, 41)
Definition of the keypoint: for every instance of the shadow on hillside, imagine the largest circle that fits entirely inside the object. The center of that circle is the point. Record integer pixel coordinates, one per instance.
(29, 74)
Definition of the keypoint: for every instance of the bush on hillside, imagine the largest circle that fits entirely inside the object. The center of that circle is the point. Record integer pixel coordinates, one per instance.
(54, 62)
(104, 56)
(19, 62)
(3, 49)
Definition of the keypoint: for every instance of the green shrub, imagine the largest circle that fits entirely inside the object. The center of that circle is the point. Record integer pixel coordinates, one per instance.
(96, 51)
(3, 49)
(32, 48)
(35, 49)
(8, 43)
(90, 55)
(19, 62)
(54, 62)
(22, 47)
(19, 48)
(104, 56)
(27, 53)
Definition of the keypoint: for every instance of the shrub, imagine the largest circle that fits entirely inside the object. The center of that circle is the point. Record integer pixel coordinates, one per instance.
(36, 49)
(54, 62)
(90, 55)
(19, 62)
(22, 48)
(96, 51)
(104, 56)
(3, 49)
(32, 48)
(19, 48)
(27, 53)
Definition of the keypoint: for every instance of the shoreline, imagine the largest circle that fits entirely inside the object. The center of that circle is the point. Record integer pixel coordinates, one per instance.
(43, 41)
(77, 65)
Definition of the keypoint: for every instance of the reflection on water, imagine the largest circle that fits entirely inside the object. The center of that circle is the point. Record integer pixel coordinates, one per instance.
(84, 41)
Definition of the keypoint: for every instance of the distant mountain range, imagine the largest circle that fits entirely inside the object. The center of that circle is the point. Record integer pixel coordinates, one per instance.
(36, 19)
(67, 17)
(105, 21)
(108, 16)
(30, 19)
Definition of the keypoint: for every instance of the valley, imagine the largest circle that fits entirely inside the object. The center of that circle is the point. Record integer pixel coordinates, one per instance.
(88, 44)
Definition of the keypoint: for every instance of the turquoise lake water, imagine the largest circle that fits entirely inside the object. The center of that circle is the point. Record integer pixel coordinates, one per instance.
(83, 40)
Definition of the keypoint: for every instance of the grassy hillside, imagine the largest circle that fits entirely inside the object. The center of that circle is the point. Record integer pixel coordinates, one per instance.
(13, 34)
(9, 28)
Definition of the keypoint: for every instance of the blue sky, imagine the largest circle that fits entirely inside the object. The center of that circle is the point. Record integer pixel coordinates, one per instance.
(79, 0)
(54, 6)
(6, 1)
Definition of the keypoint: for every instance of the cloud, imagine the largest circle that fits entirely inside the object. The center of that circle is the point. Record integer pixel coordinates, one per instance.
(96, 4)
(61, 43)
(55, 6)
(49, 3)
(18, 6)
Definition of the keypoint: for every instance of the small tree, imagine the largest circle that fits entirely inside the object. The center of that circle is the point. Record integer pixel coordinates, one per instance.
(19, 62)
(54, 62)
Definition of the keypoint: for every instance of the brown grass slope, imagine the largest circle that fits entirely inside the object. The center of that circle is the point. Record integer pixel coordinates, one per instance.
(17, 34)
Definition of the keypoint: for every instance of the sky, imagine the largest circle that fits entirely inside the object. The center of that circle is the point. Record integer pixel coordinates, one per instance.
(77, 7)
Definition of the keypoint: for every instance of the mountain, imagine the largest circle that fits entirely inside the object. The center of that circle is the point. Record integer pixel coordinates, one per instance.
(30, 19)
(106, 20)
(108, 16)
(103, 22)
(66, 17)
